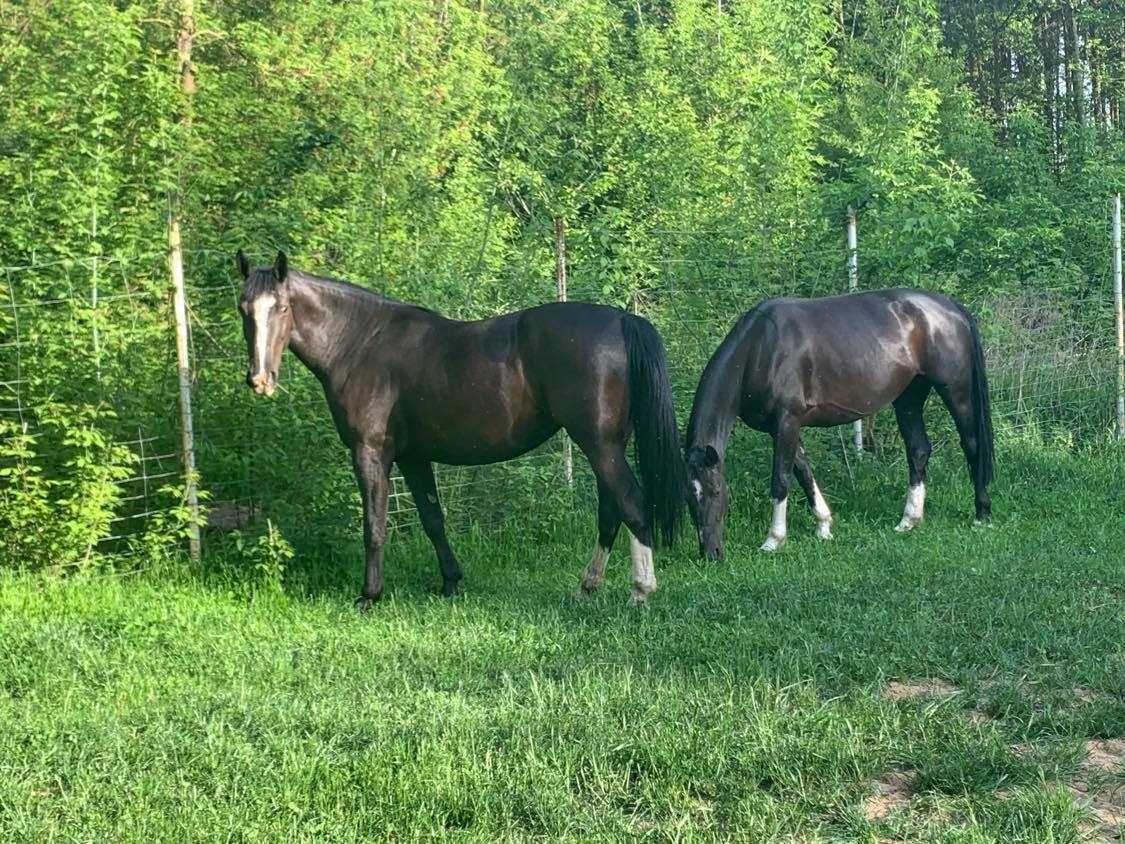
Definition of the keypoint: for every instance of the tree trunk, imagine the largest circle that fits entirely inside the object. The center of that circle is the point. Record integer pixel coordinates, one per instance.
(1048, 51)
(1074, 82)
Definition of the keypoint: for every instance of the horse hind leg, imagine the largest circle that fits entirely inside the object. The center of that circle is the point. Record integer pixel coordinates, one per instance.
(803, 472)
(609, 522)
(958, 400)
(607, 458)
(909, 408)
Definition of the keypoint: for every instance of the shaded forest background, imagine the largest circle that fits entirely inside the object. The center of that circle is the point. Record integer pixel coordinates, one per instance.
(426, 149)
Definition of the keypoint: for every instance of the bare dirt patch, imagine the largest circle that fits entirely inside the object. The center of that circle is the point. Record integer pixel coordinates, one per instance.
(1089, 695)
(1100, 784)
(926, 687)
(892, 791)
(978, 717)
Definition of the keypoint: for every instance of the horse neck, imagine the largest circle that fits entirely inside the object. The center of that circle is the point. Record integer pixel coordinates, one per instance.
(716, 405)
(328, 320)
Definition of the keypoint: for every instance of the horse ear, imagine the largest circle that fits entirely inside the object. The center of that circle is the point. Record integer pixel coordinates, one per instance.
(243, 264)
(710, 457)
(281, 266)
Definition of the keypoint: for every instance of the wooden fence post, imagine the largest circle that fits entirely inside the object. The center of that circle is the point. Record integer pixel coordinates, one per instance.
(184, 40)
(1120, 316)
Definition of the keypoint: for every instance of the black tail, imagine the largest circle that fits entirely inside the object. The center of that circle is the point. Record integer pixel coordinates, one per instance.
(982, 410)
(659, 459)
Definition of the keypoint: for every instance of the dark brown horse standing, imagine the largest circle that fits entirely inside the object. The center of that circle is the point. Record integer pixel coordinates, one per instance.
(790, 363)
(408, 386)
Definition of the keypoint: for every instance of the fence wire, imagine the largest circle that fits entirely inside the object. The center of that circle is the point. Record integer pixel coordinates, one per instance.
(92, 340)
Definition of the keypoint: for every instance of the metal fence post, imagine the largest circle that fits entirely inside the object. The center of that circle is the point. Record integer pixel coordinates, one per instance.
(853, 285)
(560, 295)
(1118, 308)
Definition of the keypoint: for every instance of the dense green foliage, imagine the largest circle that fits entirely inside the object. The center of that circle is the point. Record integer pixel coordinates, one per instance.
(393, 141)
(747, 702)
(701, 153)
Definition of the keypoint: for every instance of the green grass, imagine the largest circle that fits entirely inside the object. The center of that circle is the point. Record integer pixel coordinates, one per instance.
(745, 702)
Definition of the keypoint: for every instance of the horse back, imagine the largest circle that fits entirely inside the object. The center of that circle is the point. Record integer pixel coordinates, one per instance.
(506, 383)
(837, 358)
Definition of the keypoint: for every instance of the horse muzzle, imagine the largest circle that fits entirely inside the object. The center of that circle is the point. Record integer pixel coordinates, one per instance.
(263, 383)
(713, 553)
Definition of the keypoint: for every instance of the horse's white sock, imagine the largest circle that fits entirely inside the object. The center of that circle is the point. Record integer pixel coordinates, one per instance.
(644, 574)
(915, 504)
(778, 527)
(823, 514)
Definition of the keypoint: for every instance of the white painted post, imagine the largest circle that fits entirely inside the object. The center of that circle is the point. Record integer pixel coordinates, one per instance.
(560, 295)
(853, 285)
(1120, 313)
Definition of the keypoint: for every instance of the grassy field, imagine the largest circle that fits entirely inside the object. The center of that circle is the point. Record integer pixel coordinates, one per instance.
(957, 684)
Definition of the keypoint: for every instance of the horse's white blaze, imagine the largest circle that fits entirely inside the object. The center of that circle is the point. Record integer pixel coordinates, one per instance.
(644, 574)
(262, 306)
(697, 488)
(595, 572)
(823, 514)
(915, 505)
(778, 526)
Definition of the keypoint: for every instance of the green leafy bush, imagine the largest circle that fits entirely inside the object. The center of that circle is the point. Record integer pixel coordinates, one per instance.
(61, 486)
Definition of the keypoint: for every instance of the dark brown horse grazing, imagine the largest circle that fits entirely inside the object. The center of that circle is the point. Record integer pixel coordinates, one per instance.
(789, 363)
(408, 386)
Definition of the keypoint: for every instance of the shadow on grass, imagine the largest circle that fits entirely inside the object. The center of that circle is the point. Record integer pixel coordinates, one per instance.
(1038, 592)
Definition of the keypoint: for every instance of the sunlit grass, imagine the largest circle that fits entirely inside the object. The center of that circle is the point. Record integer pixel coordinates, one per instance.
(745, 702)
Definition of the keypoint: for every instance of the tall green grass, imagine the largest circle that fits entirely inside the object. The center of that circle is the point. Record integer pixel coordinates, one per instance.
(746, 702)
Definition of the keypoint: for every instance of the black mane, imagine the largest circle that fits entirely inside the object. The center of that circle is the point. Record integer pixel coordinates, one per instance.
(264, 280)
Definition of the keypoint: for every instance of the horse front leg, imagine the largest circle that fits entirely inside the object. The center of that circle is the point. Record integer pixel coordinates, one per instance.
(785, 442)
(803, 472)
(372, 470)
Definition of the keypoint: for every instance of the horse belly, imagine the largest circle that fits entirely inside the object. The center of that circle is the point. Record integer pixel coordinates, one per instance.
(481, 421)
(869, 393)
(476, 445)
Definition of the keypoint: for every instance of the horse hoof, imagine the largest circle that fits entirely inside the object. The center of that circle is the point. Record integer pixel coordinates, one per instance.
(585, 590)
(824, 531)
(363, 604)
(905, 526)
(640, 594)
(772, 543)
(450, 589)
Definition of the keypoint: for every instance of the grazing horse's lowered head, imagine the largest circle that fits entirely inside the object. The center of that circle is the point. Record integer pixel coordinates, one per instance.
(267, 320)
(708, 498)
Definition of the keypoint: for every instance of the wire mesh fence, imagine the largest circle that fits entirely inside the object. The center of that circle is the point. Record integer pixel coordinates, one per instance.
(86, 346)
